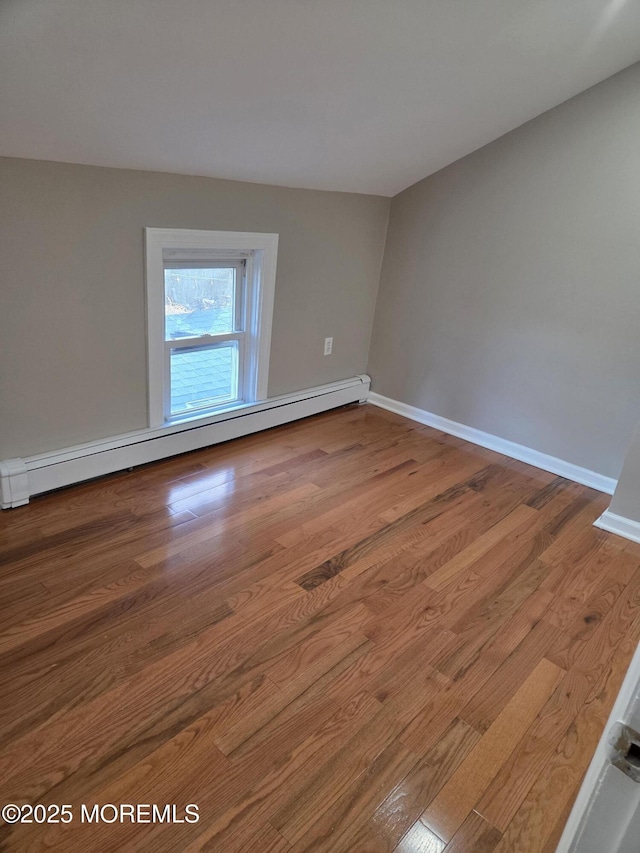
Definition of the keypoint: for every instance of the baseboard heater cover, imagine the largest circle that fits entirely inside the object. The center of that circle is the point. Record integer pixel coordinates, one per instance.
(21, 479)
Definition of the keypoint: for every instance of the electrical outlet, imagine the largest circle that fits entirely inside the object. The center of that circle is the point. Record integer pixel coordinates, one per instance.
(328, 346)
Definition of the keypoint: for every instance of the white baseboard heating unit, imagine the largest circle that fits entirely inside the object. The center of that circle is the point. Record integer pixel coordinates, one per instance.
(20, 479)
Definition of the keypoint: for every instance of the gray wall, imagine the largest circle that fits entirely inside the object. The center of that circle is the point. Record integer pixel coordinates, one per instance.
(72, 310)
(510, 290)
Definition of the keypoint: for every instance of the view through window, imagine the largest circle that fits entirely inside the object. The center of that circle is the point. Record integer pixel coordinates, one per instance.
(204, 331)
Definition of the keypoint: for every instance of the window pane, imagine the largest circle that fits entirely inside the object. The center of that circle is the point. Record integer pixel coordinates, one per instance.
(203, 377)
(198, 302)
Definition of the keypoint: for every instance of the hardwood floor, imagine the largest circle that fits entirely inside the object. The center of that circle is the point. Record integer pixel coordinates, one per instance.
(352, 633)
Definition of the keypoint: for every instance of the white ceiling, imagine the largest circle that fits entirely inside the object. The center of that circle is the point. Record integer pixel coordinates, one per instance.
(358, 95)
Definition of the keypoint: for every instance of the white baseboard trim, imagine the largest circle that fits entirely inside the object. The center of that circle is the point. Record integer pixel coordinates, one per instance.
(614, 523)
(500, 445)
(20, 479)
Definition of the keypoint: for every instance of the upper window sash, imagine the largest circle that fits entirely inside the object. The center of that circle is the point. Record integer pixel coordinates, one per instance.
(238, 314)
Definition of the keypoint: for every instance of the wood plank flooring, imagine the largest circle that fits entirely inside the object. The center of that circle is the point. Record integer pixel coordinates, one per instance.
(352, 633)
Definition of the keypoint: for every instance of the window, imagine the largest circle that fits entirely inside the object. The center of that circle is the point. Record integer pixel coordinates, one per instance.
(204, 317)
(209, 310)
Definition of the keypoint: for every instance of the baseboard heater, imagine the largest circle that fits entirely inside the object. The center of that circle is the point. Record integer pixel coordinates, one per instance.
(21, 479)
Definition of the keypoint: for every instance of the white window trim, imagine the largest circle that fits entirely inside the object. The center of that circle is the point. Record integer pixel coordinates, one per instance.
(261, 251)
